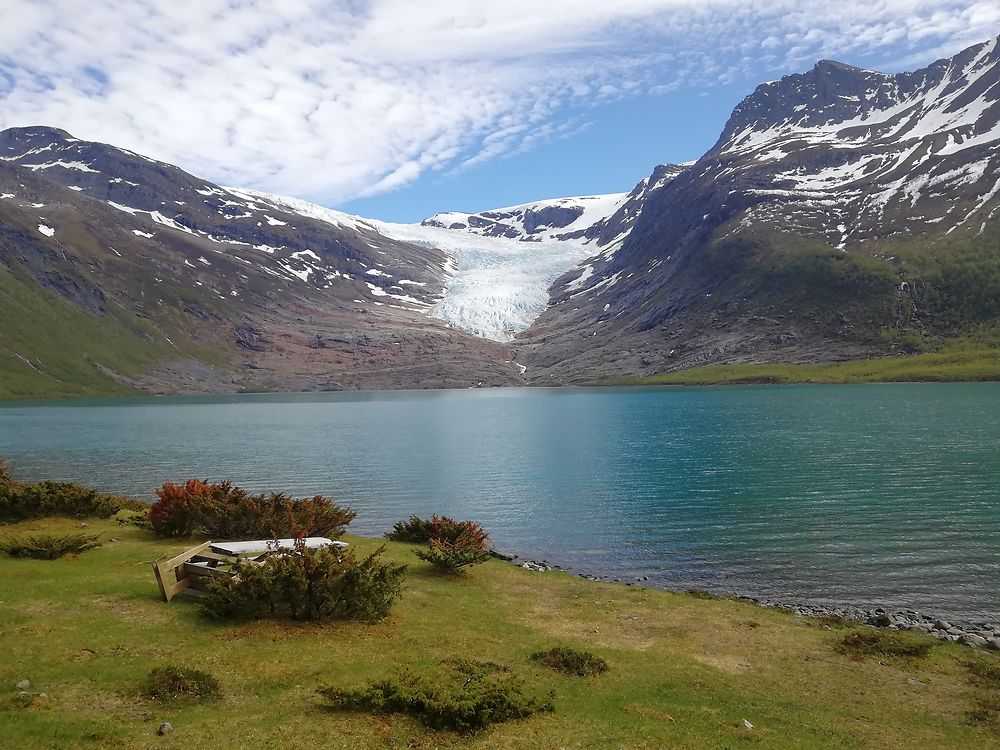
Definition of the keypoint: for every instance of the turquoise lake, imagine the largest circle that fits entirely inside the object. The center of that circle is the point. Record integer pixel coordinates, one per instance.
(867, 495)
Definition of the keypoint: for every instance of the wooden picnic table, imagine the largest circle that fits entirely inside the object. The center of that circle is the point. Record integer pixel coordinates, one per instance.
(190, 572)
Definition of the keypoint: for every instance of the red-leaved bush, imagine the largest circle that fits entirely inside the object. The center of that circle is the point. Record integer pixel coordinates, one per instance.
(221, 511)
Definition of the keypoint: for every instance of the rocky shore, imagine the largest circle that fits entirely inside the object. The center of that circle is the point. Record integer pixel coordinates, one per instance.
(981, 635)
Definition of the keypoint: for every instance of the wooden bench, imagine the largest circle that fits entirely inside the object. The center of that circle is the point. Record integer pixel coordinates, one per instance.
(190, 572)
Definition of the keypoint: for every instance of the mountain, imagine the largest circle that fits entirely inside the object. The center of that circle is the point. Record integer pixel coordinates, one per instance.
(842, 213)
(117, 271)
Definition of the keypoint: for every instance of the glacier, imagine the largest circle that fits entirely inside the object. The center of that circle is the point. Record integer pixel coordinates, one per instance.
(495, 287)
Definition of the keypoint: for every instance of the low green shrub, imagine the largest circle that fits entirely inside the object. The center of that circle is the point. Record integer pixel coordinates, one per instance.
(442, 528)
(308, 584)
(880, 642)
(169, 682)
(837, 622)
(49, 546)
(220, 510)
(20, 502)
(451, 545)
(137, 518)
(452, 557)
(571, 661)
(464, 696)
(415, 530)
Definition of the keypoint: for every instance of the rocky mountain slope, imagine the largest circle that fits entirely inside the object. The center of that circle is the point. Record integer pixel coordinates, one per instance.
(119, 271)
(842, 213)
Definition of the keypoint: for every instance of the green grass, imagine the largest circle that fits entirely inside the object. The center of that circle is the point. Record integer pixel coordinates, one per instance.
(684, 672)
(948, 366)
(50, 348)
(69, 351)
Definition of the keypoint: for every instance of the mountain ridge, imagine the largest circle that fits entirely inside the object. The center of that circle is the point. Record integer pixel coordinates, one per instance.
(842, 213)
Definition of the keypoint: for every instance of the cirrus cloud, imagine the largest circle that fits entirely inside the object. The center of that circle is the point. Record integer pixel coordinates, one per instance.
(337, 100)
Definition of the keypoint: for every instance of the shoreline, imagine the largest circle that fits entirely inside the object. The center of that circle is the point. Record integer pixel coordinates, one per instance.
(981, 635)
(631, 382)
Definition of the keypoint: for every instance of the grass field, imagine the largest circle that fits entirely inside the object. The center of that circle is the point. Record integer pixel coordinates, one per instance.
(976, 364)
(684, 672)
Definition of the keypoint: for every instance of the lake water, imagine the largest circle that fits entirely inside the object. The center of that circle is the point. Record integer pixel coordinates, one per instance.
(867, 494)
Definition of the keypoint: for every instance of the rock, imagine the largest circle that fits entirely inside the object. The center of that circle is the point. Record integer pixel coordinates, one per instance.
(165, 728)
(23, 685)
(954, 631)
(994, 644)
(747, 724)
(535, 566)
(913, 681)
(973, 640)
(942, 625)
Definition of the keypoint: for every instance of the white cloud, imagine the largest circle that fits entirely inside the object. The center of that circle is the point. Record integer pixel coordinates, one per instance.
(337, 100)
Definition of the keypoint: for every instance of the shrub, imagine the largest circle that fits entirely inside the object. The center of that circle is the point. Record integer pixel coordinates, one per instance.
(445, 529)
(177, 506)
(221, 511)
(137, 518)
(19, 502)
(453, 556)
(49, 546)
(306, 584)
(416, 530)
(880, 642)
(465, 696)
(837, 622)
(571, 661)
(165, 683)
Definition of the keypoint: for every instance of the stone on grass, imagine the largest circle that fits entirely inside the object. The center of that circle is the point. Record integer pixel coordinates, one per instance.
(23, 685)
(165, 728)
(973, 640)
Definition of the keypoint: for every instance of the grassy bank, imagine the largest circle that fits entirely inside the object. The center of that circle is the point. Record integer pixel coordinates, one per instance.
(684, 672)
(950, 366)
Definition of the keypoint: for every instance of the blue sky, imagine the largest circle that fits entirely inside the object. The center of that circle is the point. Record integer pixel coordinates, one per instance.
(396, 110)
(622, 143)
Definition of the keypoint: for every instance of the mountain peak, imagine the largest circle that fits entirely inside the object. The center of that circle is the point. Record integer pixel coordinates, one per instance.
(33, 136)
(824, 66)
